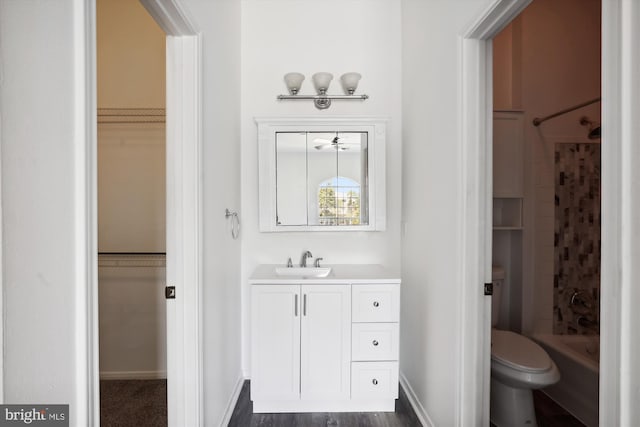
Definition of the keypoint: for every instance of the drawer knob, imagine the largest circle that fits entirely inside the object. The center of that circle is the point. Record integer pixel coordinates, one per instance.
(375, 342)
(375, 381)
(376, 304)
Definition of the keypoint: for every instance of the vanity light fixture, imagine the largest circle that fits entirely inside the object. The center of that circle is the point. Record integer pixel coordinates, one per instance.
(294, 81)
(350, 82)
(321, 81)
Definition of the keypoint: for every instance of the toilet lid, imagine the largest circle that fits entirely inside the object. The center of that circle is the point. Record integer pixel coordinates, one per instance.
(518, 352)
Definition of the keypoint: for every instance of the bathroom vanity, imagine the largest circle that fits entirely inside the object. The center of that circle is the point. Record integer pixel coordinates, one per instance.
(324, 344)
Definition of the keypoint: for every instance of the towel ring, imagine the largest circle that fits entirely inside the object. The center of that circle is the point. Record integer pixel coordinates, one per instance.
(235, 222)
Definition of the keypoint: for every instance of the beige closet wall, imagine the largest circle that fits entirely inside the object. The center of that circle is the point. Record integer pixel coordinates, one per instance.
(131, 56)
(131, 193)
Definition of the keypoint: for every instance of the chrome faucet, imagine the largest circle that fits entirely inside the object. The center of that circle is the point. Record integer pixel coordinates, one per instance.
(317, 263)
(305, 255)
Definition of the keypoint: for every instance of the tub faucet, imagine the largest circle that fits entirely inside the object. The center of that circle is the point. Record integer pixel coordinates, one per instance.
(587, 323)
(305, 255)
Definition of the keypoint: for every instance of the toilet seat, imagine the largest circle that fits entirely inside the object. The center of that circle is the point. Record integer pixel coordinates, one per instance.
(518, 352)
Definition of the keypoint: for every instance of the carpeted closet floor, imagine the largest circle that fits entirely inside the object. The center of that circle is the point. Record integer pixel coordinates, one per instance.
(138, 403)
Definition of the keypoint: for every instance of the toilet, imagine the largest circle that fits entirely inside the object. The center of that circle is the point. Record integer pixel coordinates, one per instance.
(518, 365)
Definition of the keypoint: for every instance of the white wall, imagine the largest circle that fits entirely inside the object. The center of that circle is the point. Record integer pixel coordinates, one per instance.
(38, 202)
(552, 52)
(431, 179)
(279, 36)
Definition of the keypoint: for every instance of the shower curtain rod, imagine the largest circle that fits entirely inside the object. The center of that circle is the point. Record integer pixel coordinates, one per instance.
(537, 121)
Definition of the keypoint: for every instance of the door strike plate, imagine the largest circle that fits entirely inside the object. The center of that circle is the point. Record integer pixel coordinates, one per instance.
(170, 292)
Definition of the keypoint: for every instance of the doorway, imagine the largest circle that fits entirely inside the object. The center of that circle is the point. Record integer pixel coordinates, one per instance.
(131, 215)
(619, 19)
(183, 220)
(546, 194)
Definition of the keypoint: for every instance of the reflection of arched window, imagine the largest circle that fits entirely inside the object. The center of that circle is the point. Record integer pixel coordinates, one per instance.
(339, 202)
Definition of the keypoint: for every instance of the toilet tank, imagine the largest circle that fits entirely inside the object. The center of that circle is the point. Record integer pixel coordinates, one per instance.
(497, 277)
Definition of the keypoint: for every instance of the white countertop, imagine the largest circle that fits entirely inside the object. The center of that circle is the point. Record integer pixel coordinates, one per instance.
(265, 274)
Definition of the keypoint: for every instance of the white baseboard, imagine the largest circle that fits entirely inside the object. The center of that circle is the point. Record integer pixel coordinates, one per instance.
(233, 400)
(415, 403)
(133, 375)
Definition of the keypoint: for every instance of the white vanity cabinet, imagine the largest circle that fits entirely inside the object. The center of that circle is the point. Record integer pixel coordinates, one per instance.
(275, 345)
(325, 339)
(301, 339)
(375, 342)
(324, 345)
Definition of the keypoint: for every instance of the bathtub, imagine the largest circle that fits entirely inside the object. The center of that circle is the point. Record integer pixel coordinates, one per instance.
(577, 357)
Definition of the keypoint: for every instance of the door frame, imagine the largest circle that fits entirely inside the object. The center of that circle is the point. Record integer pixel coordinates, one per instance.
(184, 213)
(620, 346)
(476, 116)
(620, 294)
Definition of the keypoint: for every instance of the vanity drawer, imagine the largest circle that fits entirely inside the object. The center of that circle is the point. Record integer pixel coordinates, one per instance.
(376, 303)
(378, 380)
(374, 341)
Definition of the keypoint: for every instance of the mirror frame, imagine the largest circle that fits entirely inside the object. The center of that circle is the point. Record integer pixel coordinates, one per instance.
(376, 129)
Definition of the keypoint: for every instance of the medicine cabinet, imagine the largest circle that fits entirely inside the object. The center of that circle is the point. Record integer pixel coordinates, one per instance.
(319, 174)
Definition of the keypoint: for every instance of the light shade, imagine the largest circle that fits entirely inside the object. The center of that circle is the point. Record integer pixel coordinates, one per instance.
(350, 82)
(293, 81)
(321, 81)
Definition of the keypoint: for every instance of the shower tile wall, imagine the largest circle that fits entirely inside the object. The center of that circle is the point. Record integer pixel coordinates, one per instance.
(577, 232)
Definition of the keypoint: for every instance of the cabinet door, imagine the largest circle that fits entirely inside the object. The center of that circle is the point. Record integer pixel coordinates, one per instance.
(275, 341)
(326, 342)
(508, 141)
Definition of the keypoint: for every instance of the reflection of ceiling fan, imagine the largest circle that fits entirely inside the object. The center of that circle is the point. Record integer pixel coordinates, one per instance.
(334, 144)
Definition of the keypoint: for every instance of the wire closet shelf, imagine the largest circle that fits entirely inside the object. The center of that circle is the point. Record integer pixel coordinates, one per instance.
(131, 115)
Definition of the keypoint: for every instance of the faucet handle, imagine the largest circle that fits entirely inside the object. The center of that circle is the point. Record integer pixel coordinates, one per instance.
(317, 262)
(289, 263)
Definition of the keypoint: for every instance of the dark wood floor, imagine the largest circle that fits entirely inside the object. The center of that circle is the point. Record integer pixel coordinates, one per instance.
(243, 416)
(550, 414)
(144, 403)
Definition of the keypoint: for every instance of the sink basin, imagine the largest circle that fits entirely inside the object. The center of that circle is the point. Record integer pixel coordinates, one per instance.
(303, 271)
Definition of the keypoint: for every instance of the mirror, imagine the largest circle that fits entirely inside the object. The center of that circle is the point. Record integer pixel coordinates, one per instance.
(321, 176)
(328, 171)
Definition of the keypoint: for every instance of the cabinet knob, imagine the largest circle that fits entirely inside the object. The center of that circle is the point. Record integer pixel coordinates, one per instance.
(375, 381)
(375, 342)
(376, 304)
